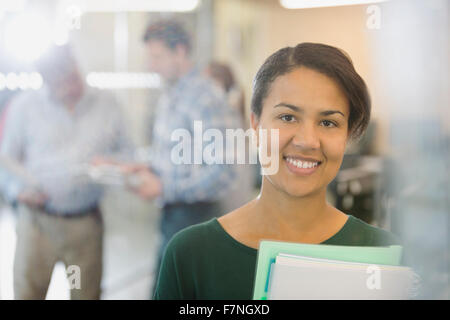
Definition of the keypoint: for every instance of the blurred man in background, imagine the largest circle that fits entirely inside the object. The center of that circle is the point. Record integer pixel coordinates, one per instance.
(49, 135)
(188, 193)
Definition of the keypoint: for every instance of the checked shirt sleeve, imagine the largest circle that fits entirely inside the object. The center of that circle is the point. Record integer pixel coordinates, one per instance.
(202, 182)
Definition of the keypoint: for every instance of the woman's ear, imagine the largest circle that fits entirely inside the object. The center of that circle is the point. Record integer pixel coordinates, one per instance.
(254, 123)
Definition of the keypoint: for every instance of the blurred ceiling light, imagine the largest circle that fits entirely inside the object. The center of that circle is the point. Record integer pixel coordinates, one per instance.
(35, 80)
(13, 81)
(12, 5)
(132, 6)
(304, 4)
(27, 36)
(123, 80)
(23, 81)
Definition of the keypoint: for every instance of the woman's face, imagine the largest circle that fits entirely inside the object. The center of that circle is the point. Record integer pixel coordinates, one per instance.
(311, 113)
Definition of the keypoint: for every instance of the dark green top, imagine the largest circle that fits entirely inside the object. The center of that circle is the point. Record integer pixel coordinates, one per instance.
(204, 262)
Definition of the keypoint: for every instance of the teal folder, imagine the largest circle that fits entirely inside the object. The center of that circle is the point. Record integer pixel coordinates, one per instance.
(268, 250)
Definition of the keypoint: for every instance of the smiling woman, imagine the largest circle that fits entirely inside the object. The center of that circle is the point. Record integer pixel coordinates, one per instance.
(311, 113)
(313, 96)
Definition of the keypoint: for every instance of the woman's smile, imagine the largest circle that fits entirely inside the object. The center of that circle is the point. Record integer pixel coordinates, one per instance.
(301, 166)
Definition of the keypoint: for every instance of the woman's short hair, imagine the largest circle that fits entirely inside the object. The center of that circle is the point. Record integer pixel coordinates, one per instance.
(170, 32)
(327, 60)
(56, 62)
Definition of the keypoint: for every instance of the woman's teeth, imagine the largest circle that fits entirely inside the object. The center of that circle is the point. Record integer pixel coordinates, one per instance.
(302, 164)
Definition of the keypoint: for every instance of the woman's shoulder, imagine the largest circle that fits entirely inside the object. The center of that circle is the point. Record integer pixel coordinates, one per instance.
(378, 236)
(194, 236)
(360, 233)
(183, 262)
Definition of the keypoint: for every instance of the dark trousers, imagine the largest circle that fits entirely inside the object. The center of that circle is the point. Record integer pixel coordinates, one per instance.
(178, 216)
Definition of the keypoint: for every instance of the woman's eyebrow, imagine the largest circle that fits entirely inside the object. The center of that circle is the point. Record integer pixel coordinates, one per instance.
(330, 112)
(301, 110)
(290, 106)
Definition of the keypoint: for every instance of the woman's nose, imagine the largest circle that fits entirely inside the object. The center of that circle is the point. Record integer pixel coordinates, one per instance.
(306, 137)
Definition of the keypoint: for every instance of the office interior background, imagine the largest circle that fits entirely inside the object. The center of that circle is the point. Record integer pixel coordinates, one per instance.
(396, 177)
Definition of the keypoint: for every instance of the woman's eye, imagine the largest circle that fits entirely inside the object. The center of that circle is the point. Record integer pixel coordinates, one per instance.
(287, 118)
(328, 123)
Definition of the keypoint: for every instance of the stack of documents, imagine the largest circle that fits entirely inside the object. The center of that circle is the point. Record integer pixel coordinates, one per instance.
(301, 271)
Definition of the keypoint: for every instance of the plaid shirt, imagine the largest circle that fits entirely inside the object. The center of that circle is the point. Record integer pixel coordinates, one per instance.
(192, 98)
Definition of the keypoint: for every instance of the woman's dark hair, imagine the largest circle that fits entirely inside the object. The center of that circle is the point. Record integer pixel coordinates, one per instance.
(222, 73)
(327, 60)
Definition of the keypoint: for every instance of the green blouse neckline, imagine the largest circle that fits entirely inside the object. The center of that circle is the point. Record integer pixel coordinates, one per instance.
(216, 224)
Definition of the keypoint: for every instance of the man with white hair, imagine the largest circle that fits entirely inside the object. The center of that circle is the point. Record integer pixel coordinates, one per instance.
(50, 133)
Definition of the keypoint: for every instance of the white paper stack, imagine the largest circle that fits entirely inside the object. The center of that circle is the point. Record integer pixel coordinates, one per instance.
(295, 277)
